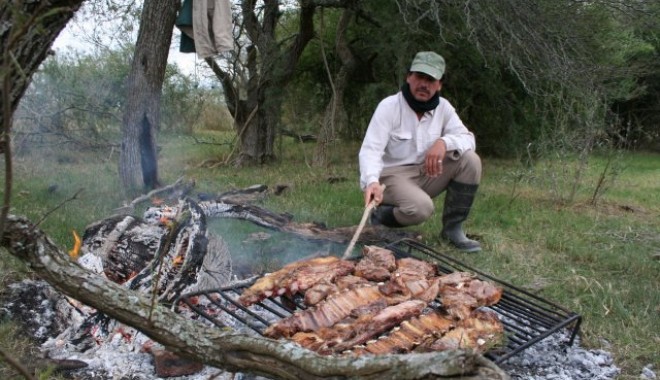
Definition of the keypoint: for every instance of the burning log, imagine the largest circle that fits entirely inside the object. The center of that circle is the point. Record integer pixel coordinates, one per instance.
(215, 347)
(166, 257)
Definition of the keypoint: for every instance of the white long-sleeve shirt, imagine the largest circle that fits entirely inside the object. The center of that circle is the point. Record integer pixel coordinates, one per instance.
(395, 136)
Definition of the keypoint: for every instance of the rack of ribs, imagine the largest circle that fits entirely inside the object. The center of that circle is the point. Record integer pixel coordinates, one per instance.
(351, 333)
(326, 313)
(408, 335)
(479, 331)
(296, 278)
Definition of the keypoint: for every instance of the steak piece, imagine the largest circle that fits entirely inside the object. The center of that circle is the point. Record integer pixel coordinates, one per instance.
(399, 290)
(480, 331)
(296, 277)
(377, 263)
(461, 293)
(324, 289)
(344, 336)
(326, 313)
(319, 292)
(410, 334)
(412, 278)
(350, 282)
(409, 268)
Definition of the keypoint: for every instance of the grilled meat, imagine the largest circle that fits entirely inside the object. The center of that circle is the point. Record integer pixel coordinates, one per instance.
(319, 292)
(343, 336)
(399, 290)
(376, 264)
(350, 282)
(461, 293)
(382, 257)
(326, 313)
(322, 290)
(296, 277)
(353, 303)
(410, 334)
(480, 331)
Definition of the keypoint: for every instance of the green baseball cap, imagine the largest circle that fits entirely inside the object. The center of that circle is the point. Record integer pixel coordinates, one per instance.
(429, 63)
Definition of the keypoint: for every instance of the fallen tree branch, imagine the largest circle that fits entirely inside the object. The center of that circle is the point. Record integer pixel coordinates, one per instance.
(308, 230)
(174, 191)
(225, 349)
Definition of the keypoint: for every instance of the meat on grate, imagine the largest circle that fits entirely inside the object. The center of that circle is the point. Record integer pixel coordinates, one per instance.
(380, 305)
(296, 278)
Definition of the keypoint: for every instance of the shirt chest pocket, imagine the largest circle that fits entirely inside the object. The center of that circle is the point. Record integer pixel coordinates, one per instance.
(401, 145)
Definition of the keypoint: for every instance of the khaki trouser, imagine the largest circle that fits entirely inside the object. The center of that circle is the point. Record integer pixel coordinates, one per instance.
(411, 191)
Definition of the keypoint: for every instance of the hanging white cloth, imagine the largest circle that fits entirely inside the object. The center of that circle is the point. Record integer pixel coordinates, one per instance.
(211, 28)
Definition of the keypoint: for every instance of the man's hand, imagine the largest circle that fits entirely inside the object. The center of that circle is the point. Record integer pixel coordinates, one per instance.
(373, 192)
(434, 157)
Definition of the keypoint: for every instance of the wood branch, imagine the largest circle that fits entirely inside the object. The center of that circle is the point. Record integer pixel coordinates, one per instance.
(298, 137)
(224, 348)
(171, 192)
(312, 231)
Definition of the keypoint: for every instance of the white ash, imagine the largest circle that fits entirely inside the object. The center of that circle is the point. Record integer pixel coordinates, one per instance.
(113, 357)
(553, 359)
(648, 373)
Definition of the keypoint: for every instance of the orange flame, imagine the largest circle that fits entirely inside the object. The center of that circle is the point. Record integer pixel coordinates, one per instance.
(77, 243)
(177, 260)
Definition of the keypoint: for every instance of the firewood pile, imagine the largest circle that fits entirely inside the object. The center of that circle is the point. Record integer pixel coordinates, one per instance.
(168, 256)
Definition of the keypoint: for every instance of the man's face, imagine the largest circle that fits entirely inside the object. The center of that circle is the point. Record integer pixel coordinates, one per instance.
(423, 86)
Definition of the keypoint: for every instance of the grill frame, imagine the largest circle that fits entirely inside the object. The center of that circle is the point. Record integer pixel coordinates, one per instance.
(527, 318)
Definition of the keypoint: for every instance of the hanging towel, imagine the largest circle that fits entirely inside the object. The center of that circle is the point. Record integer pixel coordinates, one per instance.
(208, 24)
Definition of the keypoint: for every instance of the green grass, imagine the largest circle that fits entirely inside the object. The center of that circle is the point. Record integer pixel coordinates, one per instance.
(599, 260)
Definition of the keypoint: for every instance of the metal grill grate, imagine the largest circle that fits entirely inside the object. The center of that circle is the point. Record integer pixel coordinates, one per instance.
(527, 318)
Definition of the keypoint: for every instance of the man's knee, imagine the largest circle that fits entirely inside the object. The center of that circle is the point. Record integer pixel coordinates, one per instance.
(469, 171)
(415, 213)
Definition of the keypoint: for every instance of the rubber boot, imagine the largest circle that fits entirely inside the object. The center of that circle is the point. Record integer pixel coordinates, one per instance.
(458, 202)
(383, 215)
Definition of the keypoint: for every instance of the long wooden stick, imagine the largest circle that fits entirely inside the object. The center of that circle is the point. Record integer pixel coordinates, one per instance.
(365, 216)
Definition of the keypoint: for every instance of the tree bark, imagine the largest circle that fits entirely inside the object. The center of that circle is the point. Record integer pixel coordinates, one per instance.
(269, 67)
(335, 118)
(138, 161)
(220, 348)
(27, 31)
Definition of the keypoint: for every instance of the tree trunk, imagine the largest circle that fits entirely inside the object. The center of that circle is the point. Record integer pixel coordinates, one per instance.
(335, 118)
(138, 161)
(27, 31)
(269, 67)
(221, 348)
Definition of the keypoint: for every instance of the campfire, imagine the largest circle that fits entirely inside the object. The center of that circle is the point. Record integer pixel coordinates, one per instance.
(396, 298)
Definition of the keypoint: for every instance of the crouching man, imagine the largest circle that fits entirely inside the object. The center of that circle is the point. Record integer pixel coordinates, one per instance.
(417, 146)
